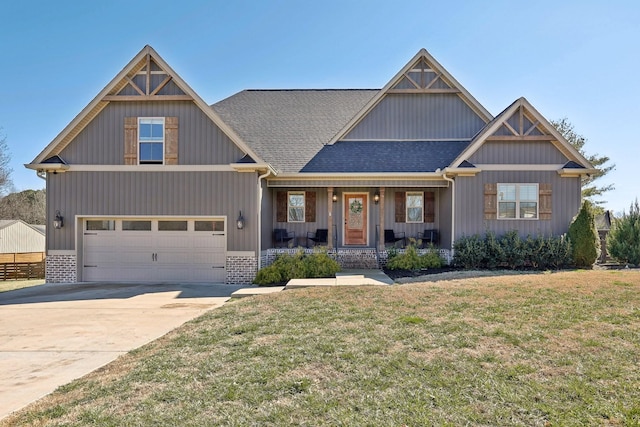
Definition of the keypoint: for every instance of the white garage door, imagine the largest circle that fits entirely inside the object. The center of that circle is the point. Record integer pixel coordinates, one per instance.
(154, 250)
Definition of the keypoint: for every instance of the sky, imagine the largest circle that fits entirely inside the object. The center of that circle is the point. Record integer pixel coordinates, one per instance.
(575, 59)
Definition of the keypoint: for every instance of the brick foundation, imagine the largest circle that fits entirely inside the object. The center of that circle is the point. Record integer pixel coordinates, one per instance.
(241, 270)
(61, 269)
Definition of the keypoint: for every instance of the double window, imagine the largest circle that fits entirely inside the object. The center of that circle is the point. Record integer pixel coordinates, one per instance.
(517, 201)
(151, 140)
(295, 206)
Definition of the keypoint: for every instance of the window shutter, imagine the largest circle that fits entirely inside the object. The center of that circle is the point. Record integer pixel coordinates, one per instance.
(130, 140)
(544, 198)
(309, 206)
(401, 208)
(429, 206)
(490, 201)
(170, 140)
(281, 206)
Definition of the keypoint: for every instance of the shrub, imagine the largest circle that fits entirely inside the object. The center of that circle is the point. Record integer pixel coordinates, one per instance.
(584, 237)
(298, 266)
(559, 252)
(469, 252)
(494, 253)
(514, 249)
(411, 260)
(623, 241)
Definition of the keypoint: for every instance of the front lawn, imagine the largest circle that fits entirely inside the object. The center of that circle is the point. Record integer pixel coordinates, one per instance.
(12, 285)
(530, 349)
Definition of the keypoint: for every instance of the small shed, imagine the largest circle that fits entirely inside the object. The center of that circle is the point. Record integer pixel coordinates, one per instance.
(22, 250)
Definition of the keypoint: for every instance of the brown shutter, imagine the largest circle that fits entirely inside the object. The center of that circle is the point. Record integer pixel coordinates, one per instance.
(401, 210)
(544, 198)
(170, 140)
(429, 206)
(130, 140)
(281, 206)
(490, 201)
(309, 206)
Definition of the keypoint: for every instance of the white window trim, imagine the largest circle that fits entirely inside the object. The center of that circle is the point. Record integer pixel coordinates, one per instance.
(517, 201)
(304, 205)
(164, 131)
(406, 202)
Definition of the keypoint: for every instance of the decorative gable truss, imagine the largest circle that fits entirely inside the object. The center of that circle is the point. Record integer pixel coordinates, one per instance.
(423, 78)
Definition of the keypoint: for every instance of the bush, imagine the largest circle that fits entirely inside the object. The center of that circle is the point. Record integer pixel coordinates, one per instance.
(411, 260)
(623, 241)
(511, 251)
(298, 266)
(584, 237)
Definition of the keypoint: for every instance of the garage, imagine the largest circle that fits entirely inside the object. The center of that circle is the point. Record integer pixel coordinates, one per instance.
(154, 249)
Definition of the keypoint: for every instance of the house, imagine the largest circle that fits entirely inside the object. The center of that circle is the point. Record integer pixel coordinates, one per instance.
(150, 183)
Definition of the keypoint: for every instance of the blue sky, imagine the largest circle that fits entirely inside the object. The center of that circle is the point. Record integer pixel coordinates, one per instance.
(574, 59)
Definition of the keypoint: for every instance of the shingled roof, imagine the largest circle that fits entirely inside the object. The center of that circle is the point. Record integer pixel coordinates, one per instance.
(385, 156)
(287, 128)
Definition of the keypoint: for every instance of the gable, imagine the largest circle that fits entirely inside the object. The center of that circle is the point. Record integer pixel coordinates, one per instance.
(413, 105)
(521, 135)
(146, 79)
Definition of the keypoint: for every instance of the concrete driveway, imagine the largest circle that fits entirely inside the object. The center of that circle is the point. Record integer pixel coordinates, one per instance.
(53, 334)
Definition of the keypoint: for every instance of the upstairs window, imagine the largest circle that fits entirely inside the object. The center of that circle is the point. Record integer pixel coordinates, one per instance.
(151, 141)
(518, 201)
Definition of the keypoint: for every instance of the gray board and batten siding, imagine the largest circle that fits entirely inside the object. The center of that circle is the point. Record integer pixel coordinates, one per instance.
(418, 117)
(200, 141)
(469, 205)
(518, 152)
(152, 194)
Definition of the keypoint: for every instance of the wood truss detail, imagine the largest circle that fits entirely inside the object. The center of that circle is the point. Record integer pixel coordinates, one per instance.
(520, 127)
(422, 78)
(149, 83)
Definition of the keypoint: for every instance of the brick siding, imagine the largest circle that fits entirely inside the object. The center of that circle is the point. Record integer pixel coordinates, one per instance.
(61, 269)
(241, 270)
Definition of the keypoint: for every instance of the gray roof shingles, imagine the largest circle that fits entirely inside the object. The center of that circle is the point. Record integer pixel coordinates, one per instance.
(385, 156)
(287, 128)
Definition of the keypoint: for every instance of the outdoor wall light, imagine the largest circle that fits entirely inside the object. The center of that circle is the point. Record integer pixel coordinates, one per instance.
(334, 198)
(58, 221)
(240, 221)
(376, 197)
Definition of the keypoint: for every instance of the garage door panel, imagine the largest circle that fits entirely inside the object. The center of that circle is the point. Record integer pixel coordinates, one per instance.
(148, 256)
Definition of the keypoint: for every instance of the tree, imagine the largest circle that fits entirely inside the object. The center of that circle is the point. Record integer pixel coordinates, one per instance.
(5, 170)
(28, 205)
(584, 236)
(623, 241)
(589, 189)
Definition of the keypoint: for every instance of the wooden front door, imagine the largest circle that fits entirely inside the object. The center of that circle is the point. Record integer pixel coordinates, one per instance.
(355, 219)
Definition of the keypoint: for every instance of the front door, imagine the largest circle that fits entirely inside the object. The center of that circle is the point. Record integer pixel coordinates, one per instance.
(355, 219)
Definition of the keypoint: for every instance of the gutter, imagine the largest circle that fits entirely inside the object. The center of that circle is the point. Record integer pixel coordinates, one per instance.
(453, 206)
(260, 178)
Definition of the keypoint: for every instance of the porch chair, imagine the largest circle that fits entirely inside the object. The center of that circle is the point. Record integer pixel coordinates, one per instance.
(392, 237)
(429, 236)
(320, 236)
(282, 237)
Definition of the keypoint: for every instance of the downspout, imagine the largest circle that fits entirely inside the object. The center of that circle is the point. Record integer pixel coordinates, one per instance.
(42, 174)
(260, 178)
(453, 207)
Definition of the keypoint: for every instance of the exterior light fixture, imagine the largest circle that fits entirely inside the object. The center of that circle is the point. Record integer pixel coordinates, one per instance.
(58, 221)
(376, 197)
(334, 198)
(240, 221)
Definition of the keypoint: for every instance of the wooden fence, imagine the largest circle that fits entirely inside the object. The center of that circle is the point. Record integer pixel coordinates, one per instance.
(22, 266)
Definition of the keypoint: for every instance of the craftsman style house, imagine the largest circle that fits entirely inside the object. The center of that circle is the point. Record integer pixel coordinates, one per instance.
(149, 183)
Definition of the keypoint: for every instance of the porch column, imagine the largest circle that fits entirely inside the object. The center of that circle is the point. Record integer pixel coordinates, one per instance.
(330, 217)
(381, 214)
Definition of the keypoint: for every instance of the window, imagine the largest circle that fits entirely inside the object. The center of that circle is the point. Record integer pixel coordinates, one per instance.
(172, 225)
(518, 201)
(101, 225)
(295, 206)
(151, 140)
(415, 206)
(215, 225)
(136, 225)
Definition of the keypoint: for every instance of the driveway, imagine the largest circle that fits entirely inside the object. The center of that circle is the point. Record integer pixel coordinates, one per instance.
(53, 334)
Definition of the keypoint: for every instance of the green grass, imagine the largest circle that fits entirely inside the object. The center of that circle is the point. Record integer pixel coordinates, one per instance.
(11, 285)
(545, 349)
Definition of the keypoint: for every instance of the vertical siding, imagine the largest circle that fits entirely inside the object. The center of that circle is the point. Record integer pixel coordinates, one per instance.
(444, 216)
(470, 204)
(299, 228)
(153, 194)
(200, 141)
(518, 152)
(20, 238)
(268, 216)
(419, 116)
(411, 230)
